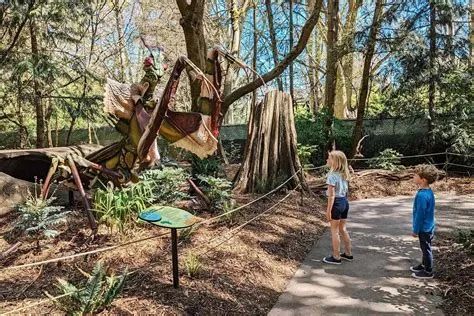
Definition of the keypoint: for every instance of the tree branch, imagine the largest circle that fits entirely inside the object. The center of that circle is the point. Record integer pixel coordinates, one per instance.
(278, 69)
(17, 35)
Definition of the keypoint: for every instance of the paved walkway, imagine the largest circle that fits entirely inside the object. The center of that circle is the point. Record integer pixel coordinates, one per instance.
(378, 280)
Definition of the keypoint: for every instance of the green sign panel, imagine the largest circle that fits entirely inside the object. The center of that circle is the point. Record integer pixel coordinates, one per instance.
(168, 217)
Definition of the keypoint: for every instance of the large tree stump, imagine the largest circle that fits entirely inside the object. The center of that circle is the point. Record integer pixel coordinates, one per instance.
(270, 153)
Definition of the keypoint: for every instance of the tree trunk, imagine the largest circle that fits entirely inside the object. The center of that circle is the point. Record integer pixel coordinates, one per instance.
(270, 153)
(47, 123)
(22, 130)
(69, 132)
(192, 23)
(471, 33)
(292, 92)
(254, 51)
(273, 40)
(313, 63)
(120, 42)
(348, 60)
(432, 83)
(364, 90)
(331, 65)
(340, 100)
(40, 126)
(236, 17)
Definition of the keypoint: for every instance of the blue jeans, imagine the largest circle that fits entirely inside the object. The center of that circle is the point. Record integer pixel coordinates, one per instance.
(425, 245)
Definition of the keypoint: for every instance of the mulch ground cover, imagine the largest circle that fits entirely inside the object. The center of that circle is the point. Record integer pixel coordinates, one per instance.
(242, 274)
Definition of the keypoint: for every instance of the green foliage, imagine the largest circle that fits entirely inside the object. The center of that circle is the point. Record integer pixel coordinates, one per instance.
(38, 216)
(217, 190)
(193, 264)
(94, 295)
(166, 183)
(304, 153)
(311, 129)
(454, 137)
(185, 234)
(231, 217)
(388, 159)
(207, 166)
(116, 207)
(466, 238)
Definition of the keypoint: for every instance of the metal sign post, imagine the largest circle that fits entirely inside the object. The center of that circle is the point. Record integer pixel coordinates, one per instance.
(174, 219)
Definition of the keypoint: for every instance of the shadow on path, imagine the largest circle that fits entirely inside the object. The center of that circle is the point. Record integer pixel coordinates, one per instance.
(378, 281)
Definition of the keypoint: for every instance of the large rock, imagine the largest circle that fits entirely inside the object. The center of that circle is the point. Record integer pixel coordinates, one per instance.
(14, 191)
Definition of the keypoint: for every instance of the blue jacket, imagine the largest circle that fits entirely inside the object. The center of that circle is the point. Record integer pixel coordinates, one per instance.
(423, 211)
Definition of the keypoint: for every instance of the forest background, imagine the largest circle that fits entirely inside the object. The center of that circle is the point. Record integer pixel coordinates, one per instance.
(399, 65)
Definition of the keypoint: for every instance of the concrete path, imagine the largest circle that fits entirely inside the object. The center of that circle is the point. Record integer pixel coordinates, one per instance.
(378, 280)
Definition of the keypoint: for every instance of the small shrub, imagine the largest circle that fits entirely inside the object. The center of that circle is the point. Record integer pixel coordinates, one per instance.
(185, 234)
(466, 238)
(216, 189)
(193, 265)
(166, 183)
(388, 159)
(116, 207)
(38, 216)
(305, 152)
(207, 166)
(93, 296)
(228, 206)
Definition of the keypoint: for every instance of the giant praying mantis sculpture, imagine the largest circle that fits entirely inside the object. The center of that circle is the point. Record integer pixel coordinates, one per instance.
(140, 120)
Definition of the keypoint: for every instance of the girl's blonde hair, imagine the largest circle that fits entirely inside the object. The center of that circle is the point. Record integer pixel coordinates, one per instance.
(339, 163)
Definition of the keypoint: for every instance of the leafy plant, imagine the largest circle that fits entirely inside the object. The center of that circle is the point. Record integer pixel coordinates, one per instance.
(38, 216)
(305, 152)
(116, 207)
(217, 190)
(207, 166)
(93, 296)
(466, 238)
(227, 207)
(193, 264)
(186, 234)
(388, 159)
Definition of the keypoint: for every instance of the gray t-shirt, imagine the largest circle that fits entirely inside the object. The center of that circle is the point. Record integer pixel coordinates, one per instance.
(335, 179)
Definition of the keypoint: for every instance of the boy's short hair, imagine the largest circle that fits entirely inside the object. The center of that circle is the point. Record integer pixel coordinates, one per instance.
(427, 172)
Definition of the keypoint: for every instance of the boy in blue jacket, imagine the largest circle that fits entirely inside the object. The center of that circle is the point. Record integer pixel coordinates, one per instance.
(424, 219)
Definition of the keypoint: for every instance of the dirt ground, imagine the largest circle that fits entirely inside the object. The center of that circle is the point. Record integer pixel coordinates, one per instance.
(246, 273)
(455, 272)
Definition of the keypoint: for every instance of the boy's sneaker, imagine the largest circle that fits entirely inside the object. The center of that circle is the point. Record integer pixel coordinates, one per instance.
(331, 260)
(417, 268)
(422, 275)
(346, 257)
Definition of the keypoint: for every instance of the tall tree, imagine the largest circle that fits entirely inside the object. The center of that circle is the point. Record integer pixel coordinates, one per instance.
(432, 57)
(331, 63)
(191, 22)
(273, 40)
(37, 98)
(471, 33)
(364, 90)
(292, 92)
(237, 15)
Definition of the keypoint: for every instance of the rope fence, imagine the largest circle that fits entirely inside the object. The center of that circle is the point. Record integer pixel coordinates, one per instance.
(220, 240)
(27, 265)
(150, 266)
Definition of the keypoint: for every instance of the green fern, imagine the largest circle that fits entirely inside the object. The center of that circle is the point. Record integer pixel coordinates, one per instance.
(38, 216)
(97, 294)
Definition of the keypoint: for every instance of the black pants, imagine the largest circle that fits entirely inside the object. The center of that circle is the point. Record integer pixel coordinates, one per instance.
(425, 245)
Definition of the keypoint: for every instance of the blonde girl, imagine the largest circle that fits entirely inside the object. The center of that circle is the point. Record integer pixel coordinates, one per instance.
(338, 206)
